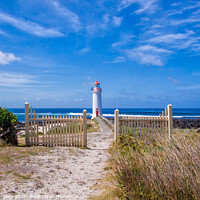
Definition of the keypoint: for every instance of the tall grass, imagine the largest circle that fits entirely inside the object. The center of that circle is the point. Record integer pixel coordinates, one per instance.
(165, 169)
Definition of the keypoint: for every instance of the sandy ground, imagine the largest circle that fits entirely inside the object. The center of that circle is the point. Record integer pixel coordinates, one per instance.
(64, 173)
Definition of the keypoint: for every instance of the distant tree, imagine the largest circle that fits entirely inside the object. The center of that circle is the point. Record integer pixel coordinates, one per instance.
(7, 126)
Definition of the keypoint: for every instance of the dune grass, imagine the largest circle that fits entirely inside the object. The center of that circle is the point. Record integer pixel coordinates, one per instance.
(165, 169)
(13, 154)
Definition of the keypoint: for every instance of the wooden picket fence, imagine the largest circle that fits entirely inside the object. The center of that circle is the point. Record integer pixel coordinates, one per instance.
(55, 131)
(144, 128)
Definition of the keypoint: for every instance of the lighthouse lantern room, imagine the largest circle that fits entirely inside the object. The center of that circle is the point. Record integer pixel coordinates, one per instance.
(97, 103)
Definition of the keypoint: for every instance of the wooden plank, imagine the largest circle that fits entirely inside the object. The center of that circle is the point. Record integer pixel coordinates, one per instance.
(27, 138)
(72, 131)
(49, 131)
(43, 129)
(67, 132)
(34, 128)
(131, 126)
(170, 121)
(81, 133)
(145, 128)
(70, 137)
(166, 122)
(134, 127)
(154, 128)
(84, 128)
(126, 126)
(163, 125)
(54, 130)
(64, 131)
(75, 138)
(37, 130)
(46, 130)
(31, 126)
(60, 130)
(78, 131)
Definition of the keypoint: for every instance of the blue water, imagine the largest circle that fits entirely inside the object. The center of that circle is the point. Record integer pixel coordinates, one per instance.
(188, 113)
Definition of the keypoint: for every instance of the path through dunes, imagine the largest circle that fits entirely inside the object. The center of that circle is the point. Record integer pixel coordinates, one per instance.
(62, 173)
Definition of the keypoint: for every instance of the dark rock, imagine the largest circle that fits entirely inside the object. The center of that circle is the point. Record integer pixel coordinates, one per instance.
(11, 192)
(81, 182)
(39, 186)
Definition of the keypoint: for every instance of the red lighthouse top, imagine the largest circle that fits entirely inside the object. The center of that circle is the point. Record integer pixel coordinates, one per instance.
(96, 83)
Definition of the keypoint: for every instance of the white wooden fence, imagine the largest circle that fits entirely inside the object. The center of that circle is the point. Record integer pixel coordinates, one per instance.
(144, 128)
(55, 131)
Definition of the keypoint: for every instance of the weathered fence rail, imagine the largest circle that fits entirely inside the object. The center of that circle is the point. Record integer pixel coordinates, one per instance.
(109, 124)
(144, 128)
(55, 131)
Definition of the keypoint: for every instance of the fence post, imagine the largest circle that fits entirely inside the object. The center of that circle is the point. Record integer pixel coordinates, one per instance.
(116, 125)
(170, 121)
(84, 128)
(27, 123)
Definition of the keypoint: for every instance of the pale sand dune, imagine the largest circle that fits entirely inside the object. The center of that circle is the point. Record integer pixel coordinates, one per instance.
(65, 173)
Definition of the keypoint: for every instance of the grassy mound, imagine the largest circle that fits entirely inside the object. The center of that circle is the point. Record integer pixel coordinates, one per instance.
(165, 169)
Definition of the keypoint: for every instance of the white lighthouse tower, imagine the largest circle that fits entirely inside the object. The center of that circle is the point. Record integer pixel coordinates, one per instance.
(97, 103)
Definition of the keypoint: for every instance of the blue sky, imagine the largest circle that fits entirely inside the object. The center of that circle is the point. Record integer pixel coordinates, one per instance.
(145, 53)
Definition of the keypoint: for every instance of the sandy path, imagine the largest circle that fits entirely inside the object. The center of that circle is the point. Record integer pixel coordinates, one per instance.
(65, 173)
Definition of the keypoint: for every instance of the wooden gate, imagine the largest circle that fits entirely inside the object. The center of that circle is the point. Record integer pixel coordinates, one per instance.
(55, 131)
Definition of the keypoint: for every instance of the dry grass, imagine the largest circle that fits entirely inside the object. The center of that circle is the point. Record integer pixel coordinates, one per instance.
(165, 169)
(13, 154)
(92, 126)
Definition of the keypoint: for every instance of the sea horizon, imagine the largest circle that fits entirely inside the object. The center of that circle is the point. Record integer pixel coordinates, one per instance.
(181, 113)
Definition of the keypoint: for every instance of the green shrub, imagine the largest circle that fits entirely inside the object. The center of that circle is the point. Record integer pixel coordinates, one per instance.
(7, 122)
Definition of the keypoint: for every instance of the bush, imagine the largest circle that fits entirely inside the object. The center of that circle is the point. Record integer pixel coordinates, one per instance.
(166, 169)
(7, 126)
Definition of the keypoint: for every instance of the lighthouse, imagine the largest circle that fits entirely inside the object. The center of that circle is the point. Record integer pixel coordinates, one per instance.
(97, 103)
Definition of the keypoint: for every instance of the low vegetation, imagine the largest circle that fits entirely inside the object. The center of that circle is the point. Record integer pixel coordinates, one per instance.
(7, 127)
(165, 169)
(92, 126)
(12, 154)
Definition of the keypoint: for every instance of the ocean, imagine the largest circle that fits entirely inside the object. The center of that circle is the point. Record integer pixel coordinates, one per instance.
(187, 113)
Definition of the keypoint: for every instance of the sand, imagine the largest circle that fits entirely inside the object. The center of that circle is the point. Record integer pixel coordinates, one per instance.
(64, 173)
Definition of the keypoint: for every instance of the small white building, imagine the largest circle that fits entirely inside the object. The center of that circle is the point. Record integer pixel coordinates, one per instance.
(97, 103)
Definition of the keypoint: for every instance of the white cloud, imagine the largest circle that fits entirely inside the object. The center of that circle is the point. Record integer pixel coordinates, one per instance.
(117, 21)
(145, 5)
(70, 16)
(169, 38)
(185, 21)
(147, 54)
(84, 50)
(30, 27)
(2, 32)
(119, 59)
(16, 80)
(149, 48)
(126, 39)
(6, 58)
